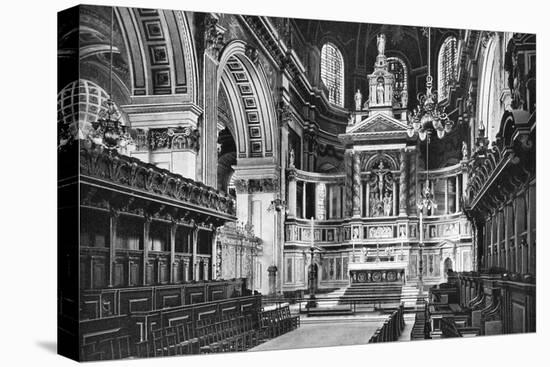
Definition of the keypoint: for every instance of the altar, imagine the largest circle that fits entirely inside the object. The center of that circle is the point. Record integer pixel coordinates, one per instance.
(377, 272)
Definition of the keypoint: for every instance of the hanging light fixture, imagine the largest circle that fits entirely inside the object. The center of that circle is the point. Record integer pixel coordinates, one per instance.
(108, 131)
(429, 115)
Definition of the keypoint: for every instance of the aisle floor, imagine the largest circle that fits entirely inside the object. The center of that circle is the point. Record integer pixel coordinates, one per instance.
(324, 334)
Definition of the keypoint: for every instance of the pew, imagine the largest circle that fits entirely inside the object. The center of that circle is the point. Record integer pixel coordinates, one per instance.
(392, 328)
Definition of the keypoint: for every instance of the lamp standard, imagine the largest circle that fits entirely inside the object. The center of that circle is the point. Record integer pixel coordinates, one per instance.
(312, 271)
(425, 203)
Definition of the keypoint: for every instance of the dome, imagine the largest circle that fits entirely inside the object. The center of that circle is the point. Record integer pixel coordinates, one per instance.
(80, 101)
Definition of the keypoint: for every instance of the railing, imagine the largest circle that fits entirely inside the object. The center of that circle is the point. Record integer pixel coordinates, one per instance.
(344, 304)
(391, 329)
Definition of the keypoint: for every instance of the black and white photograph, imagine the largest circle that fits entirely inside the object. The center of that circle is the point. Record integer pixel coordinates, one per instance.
(345, 183)
(255, 183)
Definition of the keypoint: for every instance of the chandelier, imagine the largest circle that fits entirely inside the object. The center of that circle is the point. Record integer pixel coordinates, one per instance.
(429, 115)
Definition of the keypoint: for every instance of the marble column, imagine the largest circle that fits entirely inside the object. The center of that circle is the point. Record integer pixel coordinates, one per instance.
(304, 202)
(457, 194)
(446, 196)
(403, 183)
(356, 184)
(173, 229)
(214, 264)
(194, 260)
(213, 46)
(146, 243)
(113, 222)
(367, 199)
(394, 209)
(320, 196)
(292, 196)
(348, 192)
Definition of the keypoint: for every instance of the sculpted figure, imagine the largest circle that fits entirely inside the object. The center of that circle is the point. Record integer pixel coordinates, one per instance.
(381, 43)
(358, 98)
(380, 91)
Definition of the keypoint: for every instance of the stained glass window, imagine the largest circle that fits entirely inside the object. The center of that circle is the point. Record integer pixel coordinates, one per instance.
(332, 73)
(447, 66)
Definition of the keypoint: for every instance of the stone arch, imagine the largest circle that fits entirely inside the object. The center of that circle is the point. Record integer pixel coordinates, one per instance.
(161, 55)
(252, 103)
(386, 158)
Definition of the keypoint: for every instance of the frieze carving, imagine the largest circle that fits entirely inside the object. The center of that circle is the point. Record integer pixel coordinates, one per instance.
(381, 232)
(131, 172)
(174, 138)
(251, 186)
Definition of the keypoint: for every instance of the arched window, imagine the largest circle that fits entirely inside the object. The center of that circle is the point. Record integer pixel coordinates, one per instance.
(332, 73)
(447, 66)
(399, 70)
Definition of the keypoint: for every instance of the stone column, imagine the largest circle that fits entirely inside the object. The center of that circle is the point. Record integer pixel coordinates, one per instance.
(403, 183)
(394, 197)
(367, 199)
(113, 222)
(213, 46)
(304, 189)
(320, 196)
(173, 229)
(348, 192)
(214, 259)
(146, 244)
(292, 196)
(446, 196)
(356, 184)
(457, 194)
(194, 259)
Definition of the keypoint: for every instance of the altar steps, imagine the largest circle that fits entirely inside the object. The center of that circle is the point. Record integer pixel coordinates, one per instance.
(329, 311)
(377, 295)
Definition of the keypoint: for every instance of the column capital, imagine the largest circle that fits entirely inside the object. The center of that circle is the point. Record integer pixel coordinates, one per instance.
(213, 36)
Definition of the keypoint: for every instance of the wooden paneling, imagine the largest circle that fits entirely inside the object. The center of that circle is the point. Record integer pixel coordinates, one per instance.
(98, 303)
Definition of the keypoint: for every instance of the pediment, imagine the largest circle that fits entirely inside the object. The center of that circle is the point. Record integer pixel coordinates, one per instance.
(378, 123)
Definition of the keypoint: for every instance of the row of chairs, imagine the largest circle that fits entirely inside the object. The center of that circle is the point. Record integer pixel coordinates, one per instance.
(277, 322)
(118, 347)
(232, 332)
(392, 327)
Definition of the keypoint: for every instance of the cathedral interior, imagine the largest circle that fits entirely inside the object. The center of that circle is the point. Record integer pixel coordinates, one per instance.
(230, 175)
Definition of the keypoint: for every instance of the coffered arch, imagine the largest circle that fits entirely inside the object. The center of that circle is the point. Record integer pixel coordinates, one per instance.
(252, 103)
(161, 54)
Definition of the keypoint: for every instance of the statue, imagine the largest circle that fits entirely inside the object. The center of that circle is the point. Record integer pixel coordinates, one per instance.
(358, 98)
(351, 119)
(291, 158)
(464, 151)
(387, 204)
(380, 91)
(381, 43)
